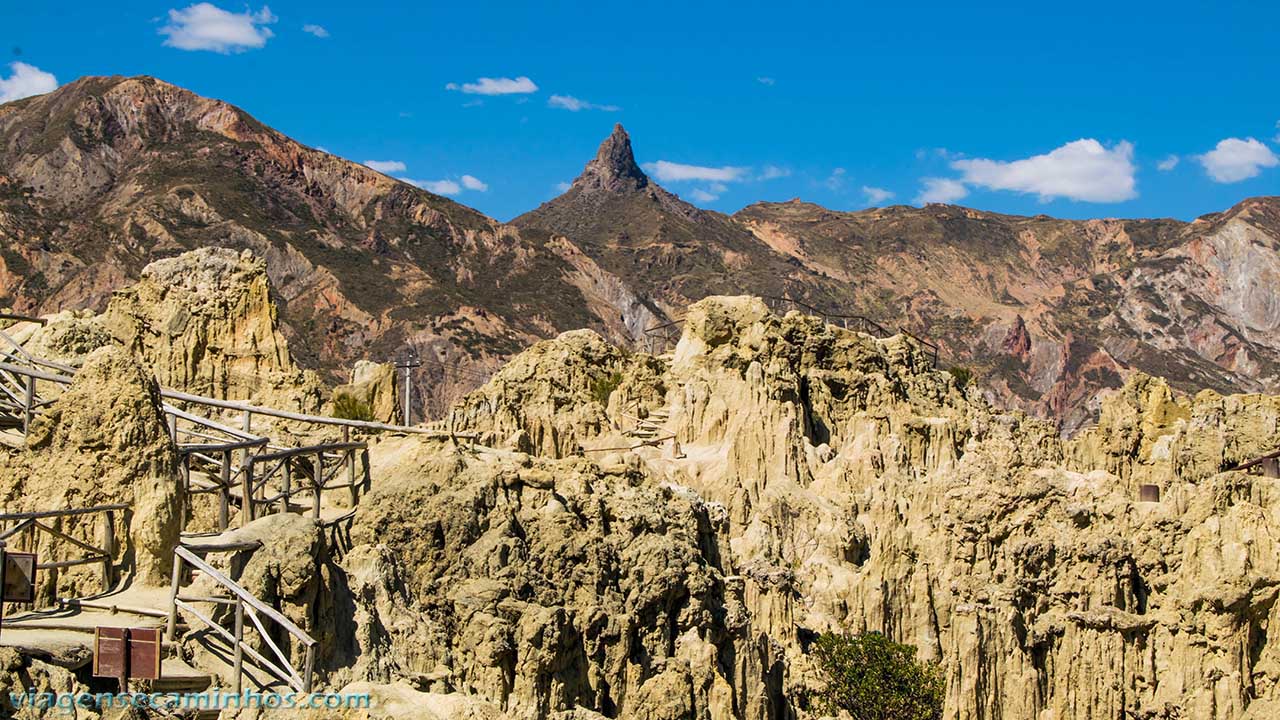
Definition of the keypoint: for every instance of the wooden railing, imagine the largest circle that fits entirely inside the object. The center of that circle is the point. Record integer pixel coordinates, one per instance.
(246, 410)
(305, 470)
(929, 348)
(860, 323)
(23, 318)
(246, 606)
(660, 338)
(1269, 464)
(31, 523)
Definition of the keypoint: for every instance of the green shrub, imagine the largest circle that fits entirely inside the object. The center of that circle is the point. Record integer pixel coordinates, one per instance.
(350, 407)
(873, 678)
(963, 376)
(603, 387)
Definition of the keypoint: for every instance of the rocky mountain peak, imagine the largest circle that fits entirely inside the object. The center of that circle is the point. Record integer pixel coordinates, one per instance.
(614, 167)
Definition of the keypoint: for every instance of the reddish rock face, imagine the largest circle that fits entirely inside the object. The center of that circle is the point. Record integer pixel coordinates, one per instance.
(106, 174)
(1017, 342)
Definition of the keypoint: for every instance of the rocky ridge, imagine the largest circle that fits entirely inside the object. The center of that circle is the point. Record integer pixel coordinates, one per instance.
(815, 479)
(847, 486)
(105, 175)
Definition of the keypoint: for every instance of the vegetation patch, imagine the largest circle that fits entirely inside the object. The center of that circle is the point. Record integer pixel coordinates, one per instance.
(871, 677)
(603, 387)
(350, 407)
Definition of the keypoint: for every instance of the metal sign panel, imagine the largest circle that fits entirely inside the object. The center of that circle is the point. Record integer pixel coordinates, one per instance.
(127, 652)
(19, 577)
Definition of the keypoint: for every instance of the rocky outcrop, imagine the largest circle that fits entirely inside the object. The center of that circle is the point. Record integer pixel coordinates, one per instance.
(374, 385)
(102, 442)
(545, 585)
(851, 487)
(548, 398)
(206, 324)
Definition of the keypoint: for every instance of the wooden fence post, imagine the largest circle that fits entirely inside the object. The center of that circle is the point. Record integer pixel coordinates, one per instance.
(171, 626)
(246, 491)
(308, 668)
(238, 664)
(350, 461)
(108, 549)
(319, 483)
(224, 493)
(286, 488)
(29, 404)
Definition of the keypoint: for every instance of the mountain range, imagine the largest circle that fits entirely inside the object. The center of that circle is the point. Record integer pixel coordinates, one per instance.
(106, 174)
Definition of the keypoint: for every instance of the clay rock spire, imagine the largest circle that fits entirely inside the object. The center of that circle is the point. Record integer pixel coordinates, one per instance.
(614, 168)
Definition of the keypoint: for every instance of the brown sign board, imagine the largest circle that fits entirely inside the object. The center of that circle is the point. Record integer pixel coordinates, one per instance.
(126, 653)
(19, 577)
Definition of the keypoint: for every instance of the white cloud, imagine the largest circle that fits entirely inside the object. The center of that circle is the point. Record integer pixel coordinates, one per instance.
(1080, 170)
(941, 190)
(876, 195)
(766, 81)
(835, 180)
(385, 166)
(677, 172)
(207, 27)
(496, 86)
(1234, 160)
(563, 186)
(317, 30)
(1170, 162)
(773, 172)
(439, 187)
(573, 104)
(24, 81)
(702, 196)
(448, 186)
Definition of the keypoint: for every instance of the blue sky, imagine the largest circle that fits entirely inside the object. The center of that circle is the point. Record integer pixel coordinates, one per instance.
(1012, 107)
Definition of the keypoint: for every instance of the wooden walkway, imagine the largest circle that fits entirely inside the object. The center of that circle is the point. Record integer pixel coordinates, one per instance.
(250, 475)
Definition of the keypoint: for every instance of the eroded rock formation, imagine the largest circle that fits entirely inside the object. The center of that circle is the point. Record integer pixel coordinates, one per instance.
(206, 323)
(825, 480)
(102, 442)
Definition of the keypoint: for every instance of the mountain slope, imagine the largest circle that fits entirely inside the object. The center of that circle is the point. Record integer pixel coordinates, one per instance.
(1046, 311)
(670, 251)
(106, 174)
(1050, 311)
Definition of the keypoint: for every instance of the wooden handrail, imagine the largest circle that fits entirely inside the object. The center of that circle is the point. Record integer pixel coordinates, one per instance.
(308, 450)
(243, 601)
(1254, 462)
(253, 409)
(30, 521)
(206, 422)
(23, 318)
(61, 513)
(222, 447)
(248, 597)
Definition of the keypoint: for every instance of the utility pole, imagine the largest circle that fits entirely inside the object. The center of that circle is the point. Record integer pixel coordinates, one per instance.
(407, 363)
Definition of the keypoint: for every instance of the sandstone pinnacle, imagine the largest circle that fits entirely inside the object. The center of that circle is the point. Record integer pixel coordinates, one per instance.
(614, 167)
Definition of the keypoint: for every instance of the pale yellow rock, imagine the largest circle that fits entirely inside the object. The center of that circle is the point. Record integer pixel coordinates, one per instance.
(374, 384)
(850, 487)
(206, 324)
(103, 441)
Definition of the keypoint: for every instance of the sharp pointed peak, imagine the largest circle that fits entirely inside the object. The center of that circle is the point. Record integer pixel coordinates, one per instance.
(614, 167)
